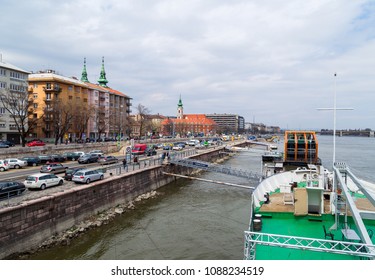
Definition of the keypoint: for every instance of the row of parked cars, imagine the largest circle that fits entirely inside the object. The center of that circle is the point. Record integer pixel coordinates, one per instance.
(52, 165)
(45, 180)
(81, 157)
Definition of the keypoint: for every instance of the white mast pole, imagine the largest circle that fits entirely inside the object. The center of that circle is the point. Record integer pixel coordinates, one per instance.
(334, 121)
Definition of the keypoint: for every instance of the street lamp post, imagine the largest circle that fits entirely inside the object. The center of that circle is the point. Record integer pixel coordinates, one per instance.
(121, 107)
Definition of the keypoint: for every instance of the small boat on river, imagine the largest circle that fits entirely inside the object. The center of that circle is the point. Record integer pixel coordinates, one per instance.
(301, 210)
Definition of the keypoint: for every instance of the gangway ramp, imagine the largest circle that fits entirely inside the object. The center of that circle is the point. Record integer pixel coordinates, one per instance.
(207, 166)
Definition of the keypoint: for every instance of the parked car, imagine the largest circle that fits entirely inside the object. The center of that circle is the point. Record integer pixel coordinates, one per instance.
(80, 153)
(11, 188)
(88, 158)
(6, 142)
(58, 158)
(42, 181)
(3, 145)
(45, 159)
(3, 165)
(70, 172)
(108, 160)
(150, 152)
(32, 161)
(99, 153)
(35, 143)
(178, 147)
(16, 163)
(71, 156)
(54, 167)
(87, 176)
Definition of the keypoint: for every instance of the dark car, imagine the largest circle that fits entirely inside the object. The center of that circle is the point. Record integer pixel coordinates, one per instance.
(58, 158)
(70, 172)
(11, 188)
(32, 161)
(150, 152)
(71, 156)
(6, 142)
(54, 167)
(3, 145)
(88, 158)
(45, 159)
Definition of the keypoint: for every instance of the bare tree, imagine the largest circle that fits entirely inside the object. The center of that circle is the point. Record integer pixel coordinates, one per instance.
(20, 109)
(81, 119)
(62, 116)
(143, 119)
(101, 120)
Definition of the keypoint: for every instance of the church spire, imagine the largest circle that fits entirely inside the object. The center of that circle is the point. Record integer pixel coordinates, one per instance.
(84, 72)
(102, 79)
(180, 109)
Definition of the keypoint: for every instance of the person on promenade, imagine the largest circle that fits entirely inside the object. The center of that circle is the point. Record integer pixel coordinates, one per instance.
(136, 160)
(124, 163)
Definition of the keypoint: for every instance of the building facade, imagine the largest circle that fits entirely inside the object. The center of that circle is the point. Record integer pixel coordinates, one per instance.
(13, 83)
(185, 125)
(228, 123)
(69, 109)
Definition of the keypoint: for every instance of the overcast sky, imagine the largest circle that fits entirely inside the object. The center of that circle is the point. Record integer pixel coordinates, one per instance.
(270, 61)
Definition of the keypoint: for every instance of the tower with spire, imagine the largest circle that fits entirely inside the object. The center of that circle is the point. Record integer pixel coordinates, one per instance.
(180, 109)
(102, 79)
(84, 72)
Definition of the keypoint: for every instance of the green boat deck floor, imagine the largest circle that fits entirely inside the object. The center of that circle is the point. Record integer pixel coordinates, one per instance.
(288, 224)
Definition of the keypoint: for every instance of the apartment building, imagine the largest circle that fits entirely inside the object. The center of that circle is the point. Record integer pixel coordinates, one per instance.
(13, 83)
(69, 109)
(228, 123)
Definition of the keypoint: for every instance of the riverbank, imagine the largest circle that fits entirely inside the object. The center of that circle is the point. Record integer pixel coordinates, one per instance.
(59, 218)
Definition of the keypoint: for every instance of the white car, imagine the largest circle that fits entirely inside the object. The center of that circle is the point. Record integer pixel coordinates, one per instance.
(16, 163)
(42, 181)
(3, 165)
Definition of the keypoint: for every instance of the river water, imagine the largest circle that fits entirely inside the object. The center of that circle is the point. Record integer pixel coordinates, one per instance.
(194, 220)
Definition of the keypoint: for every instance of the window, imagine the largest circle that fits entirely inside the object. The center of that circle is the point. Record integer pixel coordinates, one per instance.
(70, 97)
(2, 110)
(35, 105)
(3, 84)
(70, 88)
(17, 75)
(35, 116)
(2, 125)
(48, 86)
(35, 85)
(48, 96)
(3, 72)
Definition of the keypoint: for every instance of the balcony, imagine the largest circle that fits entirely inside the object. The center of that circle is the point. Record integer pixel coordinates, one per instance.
(52, 88)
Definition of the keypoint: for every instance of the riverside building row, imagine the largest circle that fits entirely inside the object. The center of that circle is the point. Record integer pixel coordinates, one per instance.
(71, 109)
(63, 107)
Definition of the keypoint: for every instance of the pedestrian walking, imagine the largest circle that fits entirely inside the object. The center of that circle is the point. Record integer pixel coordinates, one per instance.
(136, 160)
(124, 163)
